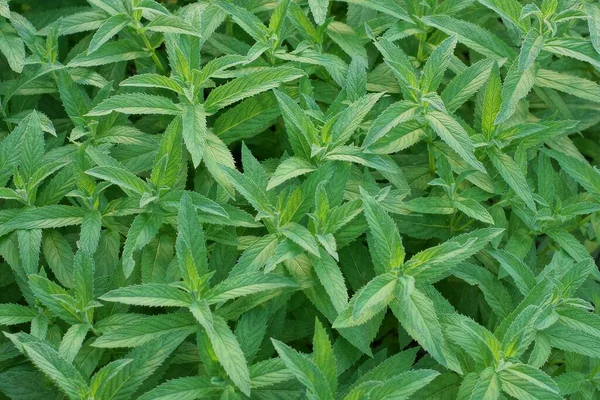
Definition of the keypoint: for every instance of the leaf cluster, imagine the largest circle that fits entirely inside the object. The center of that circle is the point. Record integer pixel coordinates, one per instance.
(299, 199)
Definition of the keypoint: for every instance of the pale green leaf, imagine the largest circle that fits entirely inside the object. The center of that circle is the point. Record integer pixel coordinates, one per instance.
(288, 169)
(451, 132)
(107, 30)
(149, 294)
(193, 122)
(136, 104)
(249, 85)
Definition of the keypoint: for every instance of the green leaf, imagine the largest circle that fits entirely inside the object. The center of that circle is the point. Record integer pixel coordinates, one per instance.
(569, 84)
(217, 157)
(256, 255)
(294, 170)
(301, 236)
(83, 21)
(152, 81)
(466, 83)
(4, 10)
(120, 177)
(323, 355)
(305, 370)
(136, 104)
(147, 330)
(575, 48)
(250, 332)
(111, 7)
(517, 269)
(436, 65)
(244, 285)
(477, 341)
(55, 298)
(494, 292)
(348, 120)
(278, 18)
(417, 314)
(580, 320)
(570, 382)
(579, 170)
(331, 278)
(472, 35)
(190, 245)
(517, 85)
(143, 228)
(398, 61)
(106, 374)
(388, 7)
(473, 209)
(403, 385)
(13, 314)
(393, 116)
(568, 339)
(593, 12)
(90, 232)
(59, 370)
(451, 132)
(215, 66)
(111, 52)
(194, 131)
(32, 144)
(11, 46)
(375, 296)
(525, 382)
(532, 45)
(72, 341)
(168, 166)
(318, 9)
(44, 217)
(385, 246)
(250, 189)
(436, 262)
(301, 131)
(492, 101)
(171, 24)
(247, 119)
(509, 10)
(512, 174)
(30, 242)
(190, 387)
(249, 85)
(356, 81)
(146, 359)
(246, 20)
(109, 28)
(83, 278)
(487, 386)
(226, 348)
(10, 149)
(149, 294)
(288, 169)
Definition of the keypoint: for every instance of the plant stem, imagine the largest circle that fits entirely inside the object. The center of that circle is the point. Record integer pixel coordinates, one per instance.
(152, 50)
(422, 39)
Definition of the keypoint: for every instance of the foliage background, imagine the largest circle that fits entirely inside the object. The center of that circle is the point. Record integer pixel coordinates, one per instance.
(281, 199)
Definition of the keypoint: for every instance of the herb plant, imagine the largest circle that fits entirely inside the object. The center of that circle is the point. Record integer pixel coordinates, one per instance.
(299, 199)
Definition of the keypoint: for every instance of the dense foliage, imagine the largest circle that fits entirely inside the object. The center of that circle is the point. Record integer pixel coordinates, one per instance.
(299, 199)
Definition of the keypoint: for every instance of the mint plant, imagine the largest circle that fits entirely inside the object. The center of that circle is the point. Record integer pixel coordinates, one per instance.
(299, 199)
